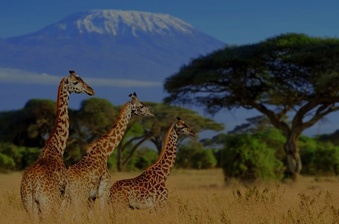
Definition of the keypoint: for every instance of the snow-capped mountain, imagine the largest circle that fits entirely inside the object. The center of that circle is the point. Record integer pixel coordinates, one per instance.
(106, 43)
(118, 22)
(115, 51)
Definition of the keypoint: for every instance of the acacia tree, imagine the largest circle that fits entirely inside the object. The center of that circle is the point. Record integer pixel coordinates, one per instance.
(291, 75)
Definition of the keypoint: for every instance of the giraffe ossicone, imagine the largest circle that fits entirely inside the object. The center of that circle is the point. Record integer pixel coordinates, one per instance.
(148, 190)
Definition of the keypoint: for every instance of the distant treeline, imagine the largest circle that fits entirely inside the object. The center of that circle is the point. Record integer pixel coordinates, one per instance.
(252, 151)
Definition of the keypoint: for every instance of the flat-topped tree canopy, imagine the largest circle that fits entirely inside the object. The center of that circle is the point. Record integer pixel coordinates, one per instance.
(290, 73)
(295, 65)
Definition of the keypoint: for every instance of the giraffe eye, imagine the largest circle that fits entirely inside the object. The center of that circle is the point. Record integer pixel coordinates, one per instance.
(74, 83)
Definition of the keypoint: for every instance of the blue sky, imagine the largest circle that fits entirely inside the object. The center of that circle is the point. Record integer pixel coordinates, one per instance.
(233, 22)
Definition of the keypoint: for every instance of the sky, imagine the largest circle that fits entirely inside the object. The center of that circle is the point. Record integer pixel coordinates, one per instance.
(233, 22)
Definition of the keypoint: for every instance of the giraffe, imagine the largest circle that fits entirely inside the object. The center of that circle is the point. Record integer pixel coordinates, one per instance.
(89, 178)
(43, 184)
(148, 190)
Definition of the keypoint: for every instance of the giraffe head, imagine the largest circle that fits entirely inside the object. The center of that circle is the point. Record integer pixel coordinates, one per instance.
(182, 129)
(75, 84)
(138, 108)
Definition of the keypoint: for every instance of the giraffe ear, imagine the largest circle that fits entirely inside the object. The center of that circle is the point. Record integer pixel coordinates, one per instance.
(134, 94)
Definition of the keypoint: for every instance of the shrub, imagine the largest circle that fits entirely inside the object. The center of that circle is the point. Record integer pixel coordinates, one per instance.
(17, 157)
(247, 158)
(141, 159)
(194, 156)
(204, 159)
(320, 160)
(6, 163)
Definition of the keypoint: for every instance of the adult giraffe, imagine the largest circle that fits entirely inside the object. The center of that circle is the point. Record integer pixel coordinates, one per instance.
(89, 179)
(43, 184)
(149, 189)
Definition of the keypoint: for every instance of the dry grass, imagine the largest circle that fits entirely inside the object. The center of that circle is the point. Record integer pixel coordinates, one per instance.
(202, 197)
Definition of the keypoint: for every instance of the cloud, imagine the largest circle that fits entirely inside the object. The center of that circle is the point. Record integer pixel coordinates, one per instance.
(120, 82)
(17, 76)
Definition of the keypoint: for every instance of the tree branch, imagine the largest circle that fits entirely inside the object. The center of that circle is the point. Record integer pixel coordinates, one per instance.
(274, 118)
(135, 147)
(321, 112)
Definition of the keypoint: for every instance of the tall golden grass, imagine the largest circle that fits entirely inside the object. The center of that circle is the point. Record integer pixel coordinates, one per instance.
(202, 197)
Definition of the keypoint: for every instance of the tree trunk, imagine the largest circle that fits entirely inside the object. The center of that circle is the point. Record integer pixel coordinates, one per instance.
(293, 156)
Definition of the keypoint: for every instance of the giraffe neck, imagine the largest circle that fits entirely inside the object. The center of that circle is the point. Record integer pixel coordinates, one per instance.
(166, 159)
(105, 145)
(56, 142)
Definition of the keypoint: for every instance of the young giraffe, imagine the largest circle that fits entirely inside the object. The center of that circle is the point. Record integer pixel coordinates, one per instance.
(89, 178)
(43, 184)
(148, 189)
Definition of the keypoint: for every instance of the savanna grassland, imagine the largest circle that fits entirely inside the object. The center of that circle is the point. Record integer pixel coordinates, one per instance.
(202, 197)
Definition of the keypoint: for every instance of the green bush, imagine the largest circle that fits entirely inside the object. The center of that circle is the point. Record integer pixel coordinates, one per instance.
(204, 159)
(141, 159)
(194, 156)
(273, 139)
(248, 159)
(17, 157)
(323, 159)
(6, 163)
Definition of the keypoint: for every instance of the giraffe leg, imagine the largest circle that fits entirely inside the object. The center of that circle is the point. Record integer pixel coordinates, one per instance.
(103, 190)
(26, 196)
(66, 203)
(31, 207)
(76, 201)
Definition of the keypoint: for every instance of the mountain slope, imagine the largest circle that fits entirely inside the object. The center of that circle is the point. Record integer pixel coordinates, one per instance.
(109, 44)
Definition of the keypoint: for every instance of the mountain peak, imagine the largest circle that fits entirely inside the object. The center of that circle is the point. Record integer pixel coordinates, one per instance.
(115, 22)
(133, 44)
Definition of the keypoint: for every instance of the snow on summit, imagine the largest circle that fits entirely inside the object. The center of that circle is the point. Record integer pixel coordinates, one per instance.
(130, 44)
(119, 21)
